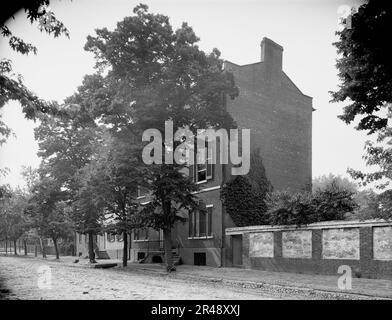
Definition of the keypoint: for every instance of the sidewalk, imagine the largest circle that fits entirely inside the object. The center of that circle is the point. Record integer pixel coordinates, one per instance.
(289, 282)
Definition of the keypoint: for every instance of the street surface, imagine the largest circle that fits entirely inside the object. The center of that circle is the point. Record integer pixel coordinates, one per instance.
(21, 277)
(36, 278)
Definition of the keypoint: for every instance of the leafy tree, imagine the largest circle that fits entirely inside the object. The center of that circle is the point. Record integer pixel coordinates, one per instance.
(153, 74)
(172, 192)
(378, 155)
(67, 145)
(49, 214)
(4, 188)
(365, 70)
(365, 67)
(385, 205)
(87, 216)
(368, 205)
(115, 175)
(59, 225)
(13, 222)
(324, 181)
(11, 85)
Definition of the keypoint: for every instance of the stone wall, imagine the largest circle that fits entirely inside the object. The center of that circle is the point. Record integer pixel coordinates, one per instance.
(365, 246)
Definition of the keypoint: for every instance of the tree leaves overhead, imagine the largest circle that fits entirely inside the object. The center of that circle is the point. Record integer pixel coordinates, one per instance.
(378, 155)
(365, 67)
(11, 85)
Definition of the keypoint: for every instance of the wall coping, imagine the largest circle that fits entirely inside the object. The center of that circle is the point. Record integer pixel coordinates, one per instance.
(312, 226)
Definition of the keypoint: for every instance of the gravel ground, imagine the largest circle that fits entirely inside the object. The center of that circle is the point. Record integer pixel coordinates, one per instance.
(21, 276)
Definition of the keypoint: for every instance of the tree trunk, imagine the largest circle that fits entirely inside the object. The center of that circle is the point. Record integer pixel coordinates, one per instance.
(35, 251)
(15, 248)
(25, 246)
(125, 249)
(56, 248)
(168, 250)
(6, 246)
(91, 254)
(43, 249)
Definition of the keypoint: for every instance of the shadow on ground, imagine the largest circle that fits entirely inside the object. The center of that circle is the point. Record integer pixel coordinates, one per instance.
(4, 292)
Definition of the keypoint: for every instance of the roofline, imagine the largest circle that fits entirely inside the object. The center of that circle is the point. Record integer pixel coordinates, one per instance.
(254, 63)
(243, 65)
(296, 85)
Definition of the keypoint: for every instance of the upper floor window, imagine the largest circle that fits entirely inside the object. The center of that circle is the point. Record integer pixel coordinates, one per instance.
(204, 171)
(140, 192)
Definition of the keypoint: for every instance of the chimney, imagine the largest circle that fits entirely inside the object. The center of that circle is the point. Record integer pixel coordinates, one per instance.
(271, 55)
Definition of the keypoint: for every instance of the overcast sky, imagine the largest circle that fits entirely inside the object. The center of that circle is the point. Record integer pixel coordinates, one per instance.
(306, 30)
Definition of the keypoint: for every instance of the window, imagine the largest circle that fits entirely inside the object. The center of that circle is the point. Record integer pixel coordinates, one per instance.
(199, 259)
(80, 238)
(141, 255)
(141, 192)
(140, 234)
(204, 171)
(111, 237)
(120, 237)
(201, 172)
(200, 223)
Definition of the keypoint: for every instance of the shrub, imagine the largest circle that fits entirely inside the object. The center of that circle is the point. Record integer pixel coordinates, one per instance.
(333, 202)
(287, 208)
(244, 206)
(329, 203)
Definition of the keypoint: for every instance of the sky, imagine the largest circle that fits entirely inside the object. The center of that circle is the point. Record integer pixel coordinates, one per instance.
(305, 28)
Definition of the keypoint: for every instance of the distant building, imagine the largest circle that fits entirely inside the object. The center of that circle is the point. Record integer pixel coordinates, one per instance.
(279, 117)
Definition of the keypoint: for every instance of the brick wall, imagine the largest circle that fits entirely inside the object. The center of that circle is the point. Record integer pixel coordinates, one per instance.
(279, 116)
(365, 246)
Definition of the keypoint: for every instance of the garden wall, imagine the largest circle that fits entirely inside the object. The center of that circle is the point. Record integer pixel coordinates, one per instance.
(365, 246)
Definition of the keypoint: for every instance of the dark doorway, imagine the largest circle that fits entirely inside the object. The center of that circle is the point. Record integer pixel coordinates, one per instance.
(236, 244)
(199, 258)
(141, 255)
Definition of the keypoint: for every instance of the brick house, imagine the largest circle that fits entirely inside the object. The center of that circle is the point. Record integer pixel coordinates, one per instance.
(279, 117)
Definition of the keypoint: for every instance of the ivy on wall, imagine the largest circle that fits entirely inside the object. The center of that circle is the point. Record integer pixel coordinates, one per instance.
(244, 196)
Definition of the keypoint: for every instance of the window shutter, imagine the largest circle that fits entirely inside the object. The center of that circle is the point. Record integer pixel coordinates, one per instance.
(191, 224)
(209, 221)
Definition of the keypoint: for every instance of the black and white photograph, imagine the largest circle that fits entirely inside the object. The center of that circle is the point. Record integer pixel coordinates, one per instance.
(208, 151)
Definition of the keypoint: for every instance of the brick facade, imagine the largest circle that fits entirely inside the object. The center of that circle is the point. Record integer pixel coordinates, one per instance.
(279, 116)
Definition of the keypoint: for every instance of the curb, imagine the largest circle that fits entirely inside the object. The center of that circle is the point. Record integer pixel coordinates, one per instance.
(287, 289)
